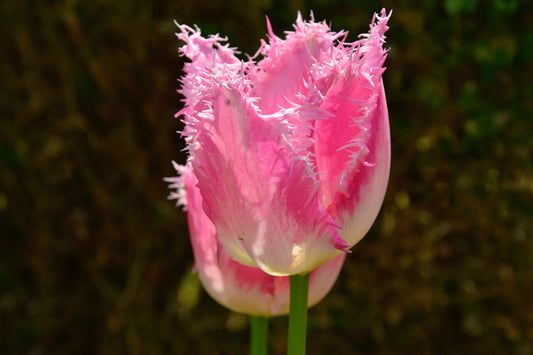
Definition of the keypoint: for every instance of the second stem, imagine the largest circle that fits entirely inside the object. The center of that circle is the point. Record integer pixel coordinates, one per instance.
(298, 314)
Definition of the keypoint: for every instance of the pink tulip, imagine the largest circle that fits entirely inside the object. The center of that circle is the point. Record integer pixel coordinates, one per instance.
(240, 288)
(292, 152)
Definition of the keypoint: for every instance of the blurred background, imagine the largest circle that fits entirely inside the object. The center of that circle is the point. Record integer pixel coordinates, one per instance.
(95, 260)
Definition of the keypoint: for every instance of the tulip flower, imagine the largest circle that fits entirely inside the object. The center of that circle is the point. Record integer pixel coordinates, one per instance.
(289, 157)
(291, 148)
(238, 287)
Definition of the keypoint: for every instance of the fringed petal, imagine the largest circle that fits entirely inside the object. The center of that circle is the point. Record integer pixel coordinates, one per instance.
(353, 146)
(359, 206)
(281, 76)
(207, 55)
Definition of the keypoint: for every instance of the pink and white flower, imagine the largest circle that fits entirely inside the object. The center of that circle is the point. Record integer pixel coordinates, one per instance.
(291, 148)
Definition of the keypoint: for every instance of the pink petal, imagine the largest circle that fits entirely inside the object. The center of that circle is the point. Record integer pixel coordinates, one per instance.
(292, 76)
(282, 74)
(342, 141)
(205, 55)
(353, 147)
(359, 205)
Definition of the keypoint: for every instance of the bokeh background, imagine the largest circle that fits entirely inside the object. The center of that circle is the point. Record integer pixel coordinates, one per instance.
(95, 260)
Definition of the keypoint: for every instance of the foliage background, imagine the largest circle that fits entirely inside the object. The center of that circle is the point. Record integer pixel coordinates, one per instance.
(95, 260)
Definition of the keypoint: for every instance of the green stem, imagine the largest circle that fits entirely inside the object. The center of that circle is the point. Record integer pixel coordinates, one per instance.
(298, 314)
(259, 335)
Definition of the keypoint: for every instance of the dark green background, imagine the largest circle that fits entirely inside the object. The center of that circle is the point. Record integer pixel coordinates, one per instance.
(95, 260)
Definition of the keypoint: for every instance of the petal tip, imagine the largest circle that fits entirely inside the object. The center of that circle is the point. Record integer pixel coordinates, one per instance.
(341, 244)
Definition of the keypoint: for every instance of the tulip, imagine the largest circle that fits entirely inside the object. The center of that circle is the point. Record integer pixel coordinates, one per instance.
(291, 148)
(240, 288)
